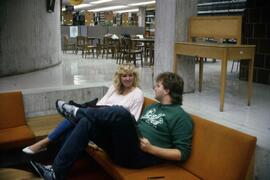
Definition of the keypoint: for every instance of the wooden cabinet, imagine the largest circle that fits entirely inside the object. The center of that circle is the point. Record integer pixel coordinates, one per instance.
(89, 18)
(125, 19)
(67, 18)
(149, 23)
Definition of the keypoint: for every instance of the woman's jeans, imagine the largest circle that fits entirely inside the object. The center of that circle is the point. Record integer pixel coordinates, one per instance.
(63, 128)
(111, 128)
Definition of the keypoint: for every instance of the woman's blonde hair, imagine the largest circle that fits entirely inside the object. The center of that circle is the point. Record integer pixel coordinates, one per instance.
(121, 70)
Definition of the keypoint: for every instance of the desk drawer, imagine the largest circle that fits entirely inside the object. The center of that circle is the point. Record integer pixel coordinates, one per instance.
(240, 53)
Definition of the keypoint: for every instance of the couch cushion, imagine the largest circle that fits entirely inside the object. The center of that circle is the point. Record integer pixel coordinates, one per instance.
(15, 137)
(168, 170)
(162, 172)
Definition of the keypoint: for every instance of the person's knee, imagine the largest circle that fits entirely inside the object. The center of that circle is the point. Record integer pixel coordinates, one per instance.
(83, 121)
(121, 111)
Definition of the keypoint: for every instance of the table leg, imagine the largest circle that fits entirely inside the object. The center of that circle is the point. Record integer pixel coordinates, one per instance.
(200, 73)
(250, 78)
(175, 63)
(223, 82)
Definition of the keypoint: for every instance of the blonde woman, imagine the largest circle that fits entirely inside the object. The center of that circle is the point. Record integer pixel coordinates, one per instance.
(124, 92)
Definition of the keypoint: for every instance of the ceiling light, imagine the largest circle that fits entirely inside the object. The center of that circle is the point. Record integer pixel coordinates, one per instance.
(127, 10)
(100, 1)
(142, 3)
(82, 6)
(108, 8)
(75, 2)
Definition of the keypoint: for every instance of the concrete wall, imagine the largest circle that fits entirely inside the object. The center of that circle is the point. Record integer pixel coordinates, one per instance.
(38, 102)
(29, 36)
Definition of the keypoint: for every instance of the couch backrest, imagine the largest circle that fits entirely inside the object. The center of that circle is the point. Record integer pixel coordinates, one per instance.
(11, 110)
(219, 152)
(147, 102)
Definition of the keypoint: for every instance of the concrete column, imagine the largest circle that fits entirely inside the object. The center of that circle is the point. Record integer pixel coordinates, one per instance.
(30, 36)
(171, 20)
(141, 17)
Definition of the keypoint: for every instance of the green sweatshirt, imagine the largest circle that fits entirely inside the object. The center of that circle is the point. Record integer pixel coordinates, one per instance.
(167, 126)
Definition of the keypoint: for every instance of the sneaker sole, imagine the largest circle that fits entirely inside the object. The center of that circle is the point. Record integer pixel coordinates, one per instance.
(36, 169)
(58, 109)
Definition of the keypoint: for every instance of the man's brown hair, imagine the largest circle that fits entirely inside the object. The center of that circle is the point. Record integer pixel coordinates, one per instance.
(174, 84)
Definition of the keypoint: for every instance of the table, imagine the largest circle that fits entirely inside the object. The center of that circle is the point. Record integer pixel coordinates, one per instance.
(224, 52)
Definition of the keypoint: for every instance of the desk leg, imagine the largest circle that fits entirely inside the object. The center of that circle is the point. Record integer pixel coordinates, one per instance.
(200, 73)
(175, 63)
(250, 78)
(223, 82)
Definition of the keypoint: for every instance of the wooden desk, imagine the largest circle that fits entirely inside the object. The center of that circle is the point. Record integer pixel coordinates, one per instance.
(224, 52)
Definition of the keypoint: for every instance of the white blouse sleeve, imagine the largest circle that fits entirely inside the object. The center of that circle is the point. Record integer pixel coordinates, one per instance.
(136, 107)
(104, 99)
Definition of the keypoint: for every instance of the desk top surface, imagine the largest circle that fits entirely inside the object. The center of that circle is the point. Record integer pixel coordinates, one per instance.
(144, 40)
(222, 45)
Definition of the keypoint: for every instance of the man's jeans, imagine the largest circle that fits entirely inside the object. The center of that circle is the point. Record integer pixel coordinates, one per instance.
(111, 128)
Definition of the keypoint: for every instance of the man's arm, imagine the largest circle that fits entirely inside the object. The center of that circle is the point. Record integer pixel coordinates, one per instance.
(164, 153)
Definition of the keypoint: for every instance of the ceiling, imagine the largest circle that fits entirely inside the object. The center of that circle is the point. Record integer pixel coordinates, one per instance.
(111, 3)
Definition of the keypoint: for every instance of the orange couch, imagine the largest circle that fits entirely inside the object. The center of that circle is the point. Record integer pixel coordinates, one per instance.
(218, 153)
(14, 131)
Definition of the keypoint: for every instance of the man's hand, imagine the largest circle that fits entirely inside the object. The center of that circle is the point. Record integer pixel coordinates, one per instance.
(164, 153)
(145, 145)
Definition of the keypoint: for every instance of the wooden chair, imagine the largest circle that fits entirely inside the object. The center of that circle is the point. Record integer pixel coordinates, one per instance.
(80, 44)
(149, 53)
(120, 51)
(68, 46)
(90, 47)
(14, 131)
(131, 52)
(106, 47)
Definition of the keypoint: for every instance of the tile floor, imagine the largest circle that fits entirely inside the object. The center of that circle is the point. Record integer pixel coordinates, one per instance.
(74, 70)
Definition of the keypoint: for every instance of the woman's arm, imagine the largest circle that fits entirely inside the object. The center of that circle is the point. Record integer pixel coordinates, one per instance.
(164, 153)
(136, 104)
(104, 99)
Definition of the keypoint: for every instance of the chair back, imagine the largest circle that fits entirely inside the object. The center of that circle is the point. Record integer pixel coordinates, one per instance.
(65, 40)
(81, 40)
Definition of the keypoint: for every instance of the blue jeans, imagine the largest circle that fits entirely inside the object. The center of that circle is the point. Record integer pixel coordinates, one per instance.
(111, 128)
(63, 128)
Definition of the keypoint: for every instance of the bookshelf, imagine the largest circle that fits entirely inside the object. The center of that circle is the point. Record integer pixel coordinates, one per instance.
(150, 23)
